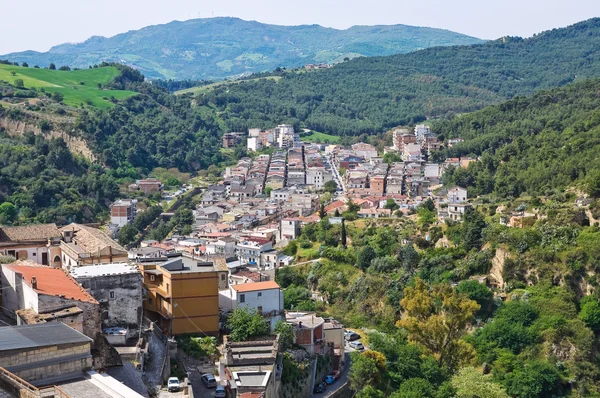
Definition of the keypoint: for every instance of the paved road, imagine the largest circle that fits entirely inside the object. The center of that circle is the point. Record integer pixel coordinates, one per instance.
(340, 382)
(200, 390)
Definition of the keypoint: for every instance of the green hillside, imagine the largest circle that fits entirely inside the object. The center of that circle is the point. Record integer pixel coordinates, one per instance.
(77, 86)
(372, 95)
(530, 145)
(214, 48)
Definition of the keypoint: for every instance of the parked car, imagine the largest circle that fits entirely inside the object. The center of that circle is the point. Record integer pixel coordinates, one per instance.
(329, 379)
(318, 388)
(335, 374)
(209, 380)
(357, 345)
(351, 336)
(173, 384)
(220, 392)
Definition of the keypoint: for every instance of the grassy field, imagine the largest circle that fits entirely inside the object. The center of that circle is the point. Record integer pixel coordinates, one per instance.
(77, 86)
(209, 87)
(315, 136)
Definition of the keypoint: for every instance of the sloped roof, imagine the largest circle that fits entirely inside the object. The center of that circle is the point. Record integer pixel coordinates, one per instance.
(35, 232)
(91, 239)
(40, 335)
(255, 286)
(51, 281)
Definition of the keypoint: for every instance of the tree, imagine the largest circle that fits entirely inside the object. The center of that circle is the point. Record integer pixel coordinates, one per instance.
(127, 234)
(343, 239)
(364, 258)
(370, 392)
(391, 204)
(25, 65)
(415, 388)
(58, 97)
(330, 186)
(286, 334)
(352, 207)
(391, 157)
(478, 292)
(325, 197)
(590, 312)
(436, 318)
(470, 383)
(363, 371)
(183, 216)
(245, 323)
(535, 380)
(472, 229)
(19, 83)
(322, 212)
(268, 191)
(8, 213)
(52, 66)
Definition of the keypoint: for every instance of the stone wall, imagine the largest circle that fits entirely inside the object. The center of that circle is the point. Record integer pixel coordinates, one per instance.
(47, 362)
(125, 309)
(91, 312)
(14, 358)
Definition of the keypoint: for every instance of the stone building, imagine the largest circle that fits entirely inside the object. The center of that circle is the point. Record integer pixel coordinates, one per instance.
(44, 290)
(44, 352)
(118, 289)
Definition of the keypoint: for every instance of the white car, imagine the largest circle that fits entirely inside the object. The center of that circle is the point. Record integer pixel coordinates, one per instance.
(357, 345)
(173, 384)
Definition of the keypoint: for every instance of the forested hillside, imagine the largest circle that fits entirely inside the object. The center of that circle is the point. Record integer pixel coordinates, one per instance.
(530, 145)
(371, 95)
(42, 181)
(220, 47)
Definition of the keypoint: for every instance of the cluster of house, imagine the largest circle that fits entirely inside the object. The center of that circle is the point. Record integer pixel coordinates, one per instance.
(79, 277)
(413, 146)
(282, 136)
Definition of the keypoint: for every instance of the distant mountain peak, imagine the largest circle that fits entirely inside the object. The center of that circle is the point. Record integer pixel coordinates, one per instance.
(214, 48)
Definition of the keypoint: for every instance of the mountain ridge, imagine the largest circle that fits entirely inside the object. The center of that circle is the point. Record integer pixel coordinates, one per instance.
(215, 48)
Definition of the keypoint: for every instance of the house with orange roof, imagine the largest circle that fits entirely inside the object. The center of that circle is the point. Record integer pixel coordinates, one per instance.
(264, 297)
(30, 289)
(336, 205)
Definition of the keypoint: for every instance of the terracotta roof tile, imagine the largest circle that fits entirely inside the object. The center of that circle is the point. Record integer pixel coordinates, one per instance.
(51, 281)
(252, 287)
(29, 232)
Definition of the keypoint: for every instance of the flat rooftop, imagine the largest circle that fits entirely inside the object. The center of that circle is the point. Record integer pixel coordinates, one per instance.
(92, 271)
(186, 265)
(39, 335)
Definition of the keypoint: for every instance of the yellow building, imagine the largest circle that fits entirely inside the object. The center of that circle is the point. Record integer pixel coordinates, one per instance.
(182, 296)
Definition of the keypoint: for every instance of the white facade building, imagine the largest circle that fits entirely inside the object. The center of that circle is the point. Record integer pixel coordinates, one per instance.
(264, 297)
(318, 176)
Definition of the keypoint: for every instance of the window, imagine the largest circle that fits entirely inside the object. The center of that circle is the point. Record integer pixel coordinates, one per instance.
(152, 278)
(111, 295)
(259, 294)
(242, 298)
(149, 300)
(222, 277)
(167, 288)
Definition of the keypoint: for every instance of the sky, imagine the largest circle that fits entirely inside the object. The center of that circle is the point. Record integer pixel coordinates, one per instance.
(40, 24)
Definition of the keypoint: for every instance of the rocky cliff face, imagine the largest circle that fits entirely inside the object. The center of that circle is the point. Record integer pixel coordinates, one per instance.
(77, 145)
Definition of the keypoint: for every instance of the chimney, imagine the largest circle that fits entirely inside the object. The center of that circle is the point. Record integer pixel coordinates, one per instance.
(34, 282)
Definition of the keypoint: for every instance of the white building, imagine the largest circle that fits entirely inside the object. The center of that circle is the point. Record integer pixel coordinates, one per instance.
(412, 153)
(123, 211)
(289, 228)
(457, 195)
(318, 176)
(264, 297)
(254, 144)
(249, 249)
(421, 131)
